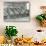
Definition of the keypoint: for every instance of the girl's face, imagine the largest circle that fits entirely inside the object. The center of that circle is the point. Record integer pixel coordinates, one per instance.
(43, 8)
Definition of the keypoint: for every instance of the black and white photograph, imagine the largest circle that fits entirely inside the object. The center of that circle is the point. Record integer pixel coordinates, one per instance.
(16, 11)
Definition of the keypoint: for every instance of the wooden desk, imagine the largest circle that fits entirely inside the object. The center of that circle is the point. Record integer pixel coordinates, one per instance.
(31, 45)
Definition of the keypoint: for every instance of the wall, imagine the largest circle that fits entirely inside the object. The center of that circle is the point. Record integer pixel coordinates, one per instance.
(25, 28)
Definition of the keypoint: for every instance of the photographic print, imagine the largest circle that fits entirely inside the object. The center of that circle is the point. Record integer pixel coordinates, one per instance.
(16, 11)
